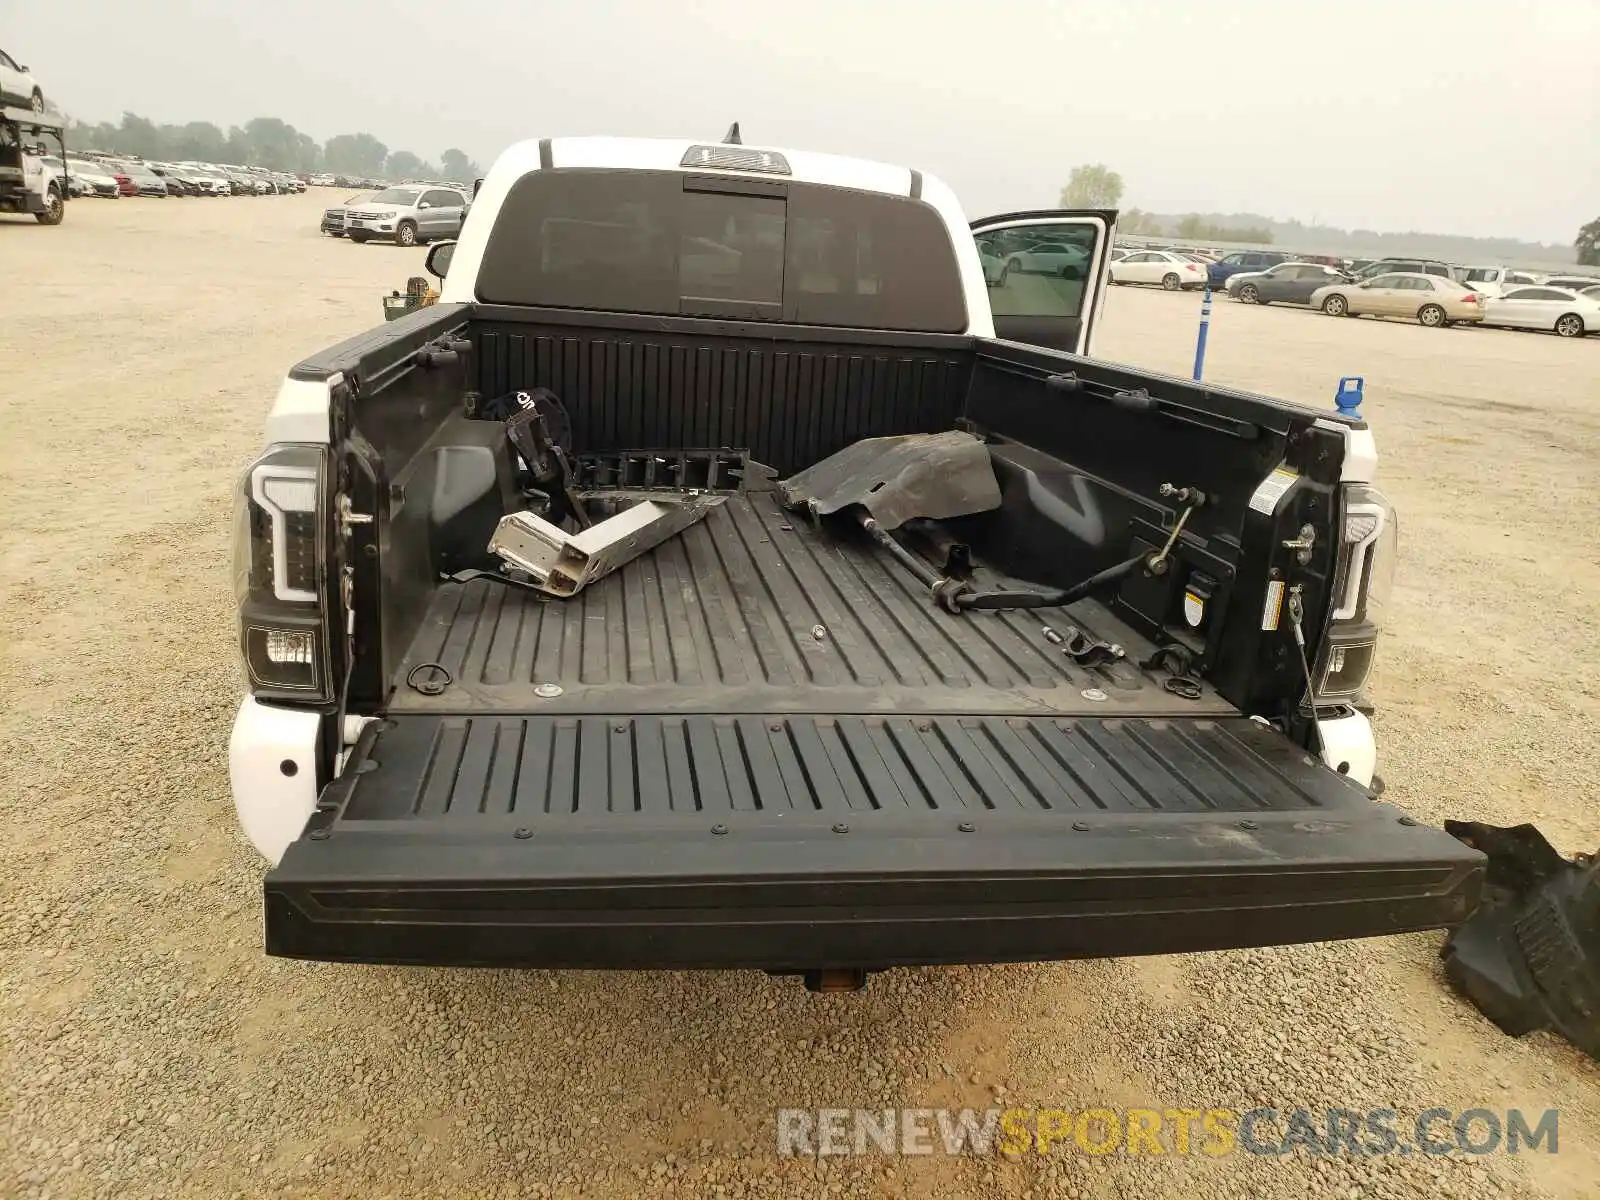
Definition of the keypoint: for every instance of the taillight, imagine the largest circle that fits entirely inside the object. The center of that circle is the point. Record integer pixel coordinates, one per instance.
(1470, 298)
(280, 573)
(1362, 581)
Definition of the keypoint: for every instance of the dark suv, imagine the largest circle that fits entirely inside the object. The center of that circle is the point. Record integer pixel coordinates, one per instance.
(1243, 260)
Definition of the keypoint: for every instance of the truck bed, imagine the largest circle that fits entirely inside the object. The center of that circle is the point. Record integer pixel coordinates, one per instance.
(716, 786)
(754, 611)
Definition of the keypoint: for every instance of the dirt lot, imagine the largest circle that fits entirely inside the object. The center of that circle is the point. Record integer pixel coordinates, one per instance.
(150, 1049)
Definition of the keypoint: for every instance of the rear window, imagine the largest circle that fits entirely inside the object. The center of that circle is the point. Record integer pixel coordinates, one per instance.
(671, 243)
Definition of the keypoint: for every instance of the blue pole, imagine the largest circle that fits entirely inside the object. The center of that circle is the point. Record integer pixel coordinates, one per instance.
(1205, 325)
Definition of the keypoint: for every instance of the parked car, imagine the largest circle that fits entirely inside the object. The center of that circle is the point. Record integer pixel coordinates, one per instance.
(145, 181)
(1433, 301)
(96, 178)
(243, 184)
(1048, 258)
(407, 216)
(17, 86)
(321, 180)
(1171, 271)
(1576, 283)
(177, 185)
(1410, 266)
(1492, 281)
(1287, 283)
(1241, 261)
(333, 219)
(1564, 311)
(213, 183)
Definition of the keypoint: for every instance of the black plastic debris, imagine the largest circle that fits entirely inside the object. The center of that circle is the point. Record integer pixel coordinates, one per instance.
(894, 479)
(1529, 957)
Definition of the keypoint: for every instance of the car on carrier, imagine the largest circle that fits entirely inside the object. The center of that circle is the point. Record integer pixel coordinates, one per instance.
(18, 87)
(725, 573)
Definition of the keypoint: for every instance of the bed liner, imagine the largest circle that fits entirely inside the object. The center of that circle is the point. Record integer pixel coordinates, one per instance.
(755, 610)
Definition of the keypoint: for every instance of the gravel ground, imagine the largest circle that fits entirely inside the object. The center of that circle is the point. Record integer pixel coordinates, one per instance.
(150, 1049)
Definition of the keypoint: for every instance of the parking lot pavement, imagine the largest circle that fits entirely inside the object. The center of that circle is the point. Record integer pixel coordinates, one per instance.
(150, 1049)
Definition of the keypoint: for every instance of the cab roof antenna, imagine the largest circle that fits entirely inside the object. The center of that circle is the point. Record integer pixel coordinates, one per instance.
(732, 138)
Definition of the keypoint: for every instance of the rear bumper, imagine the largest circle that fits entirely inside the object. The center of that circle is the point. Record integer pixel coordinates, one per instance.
(555, 842)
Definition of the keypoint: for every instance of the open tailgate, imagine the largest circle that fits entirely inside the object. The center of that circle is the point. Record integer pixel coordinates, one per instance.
(792, 842)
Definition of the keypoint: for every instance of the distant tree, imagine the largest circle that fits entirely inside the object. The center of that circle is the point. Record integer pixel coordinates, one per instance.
(198, 141)
(1093, 186)
(1135, 221)
(1588, 244)
(1194, 227)
(455, 165)
(402, 164)
(354, 154)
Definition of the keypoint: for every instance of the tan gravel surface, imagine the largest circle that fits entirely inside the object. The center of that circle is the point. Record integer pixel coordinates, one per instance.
(150, 1049)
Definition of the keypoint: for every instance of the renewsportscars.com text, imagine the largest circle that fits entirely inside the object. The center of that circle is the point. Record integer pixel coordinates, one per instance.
(1177, 1131)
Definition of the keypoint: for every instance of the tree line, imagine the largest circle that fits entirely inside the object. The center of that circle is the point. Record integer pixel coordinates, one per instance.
(1097, 186)
(271, 143)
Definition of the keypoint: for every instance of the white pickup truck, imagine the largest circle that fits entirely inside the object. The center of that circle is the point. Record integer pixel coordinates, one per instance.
(1105, 701)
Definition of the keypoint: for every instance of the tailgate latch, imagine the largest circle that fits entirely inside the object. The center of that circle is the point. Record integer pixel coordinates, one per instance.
(349, 518)
(1303, 544)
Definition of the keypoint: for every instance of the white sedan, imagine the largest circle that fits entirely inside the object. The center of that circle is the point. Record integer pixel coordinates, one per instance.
(1048, 258)
(1566, 312)
(1165, 267)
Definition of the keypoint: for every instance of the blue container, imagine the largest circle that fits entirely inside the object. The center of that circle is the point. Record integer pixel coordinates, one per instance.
(1348, 398)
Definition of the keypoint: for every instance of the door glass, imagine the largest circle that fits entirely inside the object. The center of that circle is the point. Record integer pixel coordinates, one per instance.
(443, 199)
(1045, 277)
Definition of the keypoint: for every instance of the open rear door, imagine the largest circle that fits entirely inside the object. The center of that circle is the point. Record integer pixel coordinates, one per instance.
(1045, 271)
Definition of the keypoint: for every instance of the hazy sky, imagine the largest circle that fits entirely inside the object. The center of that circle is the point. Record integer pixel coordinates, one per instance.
(1453, 116)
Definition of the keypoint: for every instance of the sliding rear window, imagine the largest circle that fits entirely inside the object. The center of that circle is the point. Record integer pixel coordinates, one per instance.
(669, 243)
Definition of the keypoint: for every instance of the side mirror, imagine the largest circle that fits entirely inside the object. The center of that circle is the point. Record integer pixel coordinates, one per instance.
(423, 204)
(438, 260)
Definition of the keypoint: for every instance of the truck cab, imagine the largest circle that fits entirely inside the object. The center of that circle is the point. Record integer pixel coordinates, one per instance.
(973, 648)
(28, 184)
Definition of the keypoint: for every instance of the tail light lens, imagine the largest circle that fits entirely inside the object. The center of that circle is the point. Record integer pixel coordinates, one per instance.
(1470, 298)
(280, 573)
(1362, 585)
